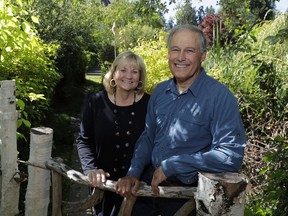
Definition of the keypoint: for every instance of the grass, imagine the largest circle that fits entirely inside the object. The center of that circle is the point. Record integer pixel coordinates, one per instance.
(96, 79)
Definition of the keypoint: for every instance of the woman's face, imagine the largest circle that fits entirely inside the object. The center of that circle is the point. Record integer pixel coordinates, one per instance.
(127, 76)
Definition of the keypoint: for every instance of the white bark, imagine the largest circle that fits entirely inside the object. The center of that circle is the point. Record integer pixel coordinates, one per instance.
(221, 194)
(144, 190)
(9, 188)
(39, 180)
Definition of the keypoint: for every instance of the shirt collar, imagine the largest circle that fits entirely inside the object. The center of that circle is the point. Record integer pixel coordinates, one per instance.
(195, 86)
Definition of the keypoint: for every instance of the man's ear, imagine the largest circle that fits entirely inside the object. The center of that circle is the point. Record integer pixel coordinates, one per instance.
(203, 56)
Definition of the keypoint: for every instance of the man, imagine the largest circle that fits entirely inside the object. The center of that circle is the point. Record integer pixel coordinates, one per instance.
(193, 124)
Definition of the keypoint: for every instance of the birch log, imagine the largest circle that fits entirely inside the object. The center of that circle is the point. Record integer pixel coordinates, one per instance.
(169, 192)
(217, 194)
(221, 194)
(9, 188)
(144, 190)
(39, 180)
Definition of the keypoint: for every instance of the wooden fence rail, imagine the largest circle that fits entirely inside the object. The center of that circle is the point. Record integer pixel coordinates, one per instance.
(217, 193)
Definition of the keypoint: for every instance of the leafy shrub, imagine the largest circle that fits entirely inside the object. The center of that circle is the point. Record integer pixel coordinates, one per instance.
(27, 60)
(256, 70)
(155, 55)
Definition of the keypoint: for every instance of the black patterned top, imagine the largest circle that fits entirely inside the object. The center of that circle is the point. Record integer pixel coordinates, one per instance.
(108, 134)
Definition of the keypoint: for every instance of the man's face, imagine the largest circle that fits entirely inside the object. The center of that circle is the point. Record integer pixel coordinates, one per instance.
(185, 57)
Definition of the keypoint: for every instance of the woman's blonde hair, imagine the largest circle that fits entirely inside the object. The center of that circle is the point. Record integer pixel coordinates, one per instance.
(127, 56)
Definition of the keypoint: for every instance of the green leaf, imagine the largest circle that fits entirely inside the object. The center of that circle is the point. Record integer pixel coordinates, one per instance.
(271, 39)
(19, 135)
(19, 123)
(20, 103)
(26, 27)
(35, 19)
(19, 2)
(33, 96)
(26, 123)
(263, 171)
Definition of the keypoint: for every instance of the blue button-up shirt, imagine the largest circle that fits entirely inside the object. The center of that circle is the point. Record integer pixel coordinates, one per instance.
(198, 130)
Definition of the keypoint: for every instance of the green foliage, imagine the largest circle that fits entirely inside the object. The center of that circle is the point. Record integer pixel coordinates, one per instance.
(256, 70)
(79, 33)
(186, 14)
(71, 25)
(155, 55)
(132, 33)
(28, 60)
(240, 18)
(133, 21)
(83, 29)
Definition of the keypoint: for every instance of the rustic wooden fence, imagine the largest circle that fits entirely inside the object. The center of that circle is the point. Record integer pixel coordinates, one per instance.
(216, 194)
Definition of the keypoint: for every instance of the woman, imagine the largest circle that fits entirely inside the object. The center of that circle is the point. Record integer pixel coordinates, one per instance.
(112, 121)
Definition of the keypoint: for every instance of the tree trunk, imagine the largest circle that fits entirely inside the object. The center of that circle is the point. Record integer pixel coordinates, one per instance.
(9, 188)
(221, 194)
(39, 180)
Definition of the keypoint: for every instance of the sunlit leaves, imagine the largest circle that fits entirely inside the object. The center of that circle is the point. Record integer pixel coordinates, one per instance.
(25, 58)
(155, 54)
(33, 96)
(35, 19)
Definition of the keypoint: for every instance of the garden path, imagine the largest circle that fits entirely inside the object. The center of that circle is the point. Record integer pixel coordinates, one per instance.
(77, 192)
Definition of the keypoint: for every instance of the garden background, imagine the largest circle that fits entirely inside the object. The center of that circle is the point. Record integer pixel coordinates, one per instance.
(48, 47)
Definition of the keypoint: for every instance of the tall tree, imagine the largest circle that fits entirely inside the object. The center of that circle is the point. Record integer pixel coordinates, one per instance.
(244, 16)
(186, 14)
(70, 24)
(132, 21)
(263, 9)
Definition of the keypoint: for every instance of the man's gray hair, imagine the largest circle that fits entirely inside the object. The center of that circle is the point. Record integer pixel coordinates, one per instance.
(202, 38)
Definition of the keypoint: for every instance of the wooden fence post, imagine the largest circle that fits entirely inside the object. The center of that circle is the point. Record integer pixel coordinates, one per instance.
(9, 188)
(221, 194)
(39, 180)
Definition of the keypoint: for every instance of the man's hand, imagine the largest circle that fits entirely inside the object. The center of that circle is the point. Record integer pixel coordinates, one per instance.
(97, 177)
(158, 177)
(127, 186)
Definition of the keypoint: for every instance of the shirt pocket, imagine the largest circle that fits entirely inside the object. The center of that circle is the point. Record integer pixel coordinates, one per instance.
(193, 130)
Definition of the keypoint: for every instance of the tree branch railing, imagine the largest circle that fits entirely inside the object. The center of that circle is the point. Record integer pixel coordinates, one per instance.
(216, 194)
(60, 207)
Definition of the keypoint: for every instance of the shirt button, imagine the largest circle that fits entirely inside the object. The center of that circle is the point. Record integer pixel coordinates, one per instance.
(126, 144)
(114, 169)
(128, 132)
(117, 146)
(123, 167)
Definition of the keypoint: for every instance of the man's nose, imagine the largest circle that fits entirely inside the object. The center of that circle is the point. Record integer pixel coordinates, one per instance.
(181, 55)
